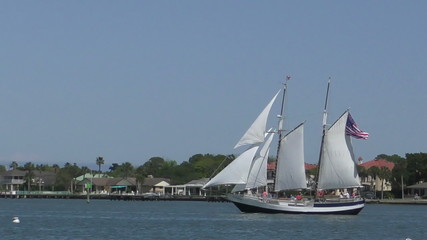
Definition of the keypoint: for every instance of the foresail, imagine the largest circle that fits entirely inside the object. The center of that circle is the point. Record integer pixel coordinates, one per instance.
(290, 172)
(236, 172)
(337, 166)
(258, 174)
(255, 134)
(238, 188)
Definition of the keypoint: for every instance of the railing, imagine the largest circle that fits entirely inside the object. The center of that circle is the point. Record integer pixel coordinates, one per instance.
(12, 181)
(43, 193)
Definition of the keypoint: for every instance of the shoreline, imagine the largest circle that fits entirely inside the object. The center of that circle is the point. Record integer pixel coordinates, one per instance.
(213, 198)
(397, 201)
(117, 197)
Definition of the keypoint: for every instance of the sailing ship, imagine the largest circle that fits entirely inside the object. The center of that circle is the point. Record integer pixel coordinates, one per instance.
(336, 168)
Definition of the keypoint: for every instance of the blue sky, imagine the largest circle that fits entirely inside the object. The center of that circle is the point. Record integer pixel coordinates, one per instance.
(130, 80)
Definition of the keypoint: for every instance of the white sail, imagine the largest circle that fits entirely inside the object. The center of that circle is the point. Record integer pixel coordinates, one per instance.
(255, 134)
(258, 174)
(236, 172)
(238, 188)
(337, 165)
(290, 172)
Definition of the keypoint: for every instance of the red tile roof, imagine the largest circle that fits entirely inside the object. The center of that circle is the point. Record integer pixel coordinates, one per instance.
(271, 166)
(378, 163)
(308, 166)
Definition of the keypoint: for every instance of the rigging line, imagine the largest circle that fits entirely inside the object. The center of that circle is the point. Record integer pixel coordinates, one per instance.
(216, 170)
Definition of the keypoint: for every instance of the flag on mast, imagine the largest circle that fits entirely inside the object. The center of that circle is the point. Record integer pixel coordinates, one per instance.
(353, 130)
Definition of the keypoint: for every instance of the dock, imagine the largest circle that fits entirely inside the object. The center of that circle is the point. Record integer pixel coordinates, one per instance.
(115, 197)
(142, 197)
(407, 201)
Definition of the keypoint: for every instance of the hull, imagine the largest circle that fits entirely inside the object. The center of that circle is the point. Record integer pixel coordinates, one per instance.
(255, 204)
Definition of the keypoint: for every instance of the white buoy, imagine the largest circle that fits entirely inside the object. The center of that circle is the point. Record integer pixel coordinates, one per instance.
(15, 220)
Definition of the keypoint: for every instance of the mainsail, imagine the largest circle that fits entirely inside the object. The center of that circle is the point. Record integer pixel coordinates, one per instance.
(337, 166)
(290, 173)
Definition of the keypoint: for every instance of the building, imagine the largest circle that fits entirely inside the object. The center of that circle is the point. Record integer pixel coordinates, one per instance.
(192, 188)
(155, 185)
(43, 180)
(13, 180)
(419, 189)
(374, 183)
(271, 168)
(108, 185)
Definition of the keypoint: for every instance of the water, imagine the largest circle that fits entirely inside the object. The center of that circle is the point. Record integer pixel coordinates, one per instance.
(104, 219)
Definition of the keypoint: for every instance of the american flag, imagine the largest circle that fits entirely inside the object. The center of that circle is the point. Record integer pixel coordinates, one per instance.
(352, 129)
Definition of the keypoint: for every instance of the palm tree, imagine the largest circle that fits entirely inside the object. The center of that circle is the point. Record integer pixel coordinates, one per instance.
(363, 173)
(55, 168)
(99, 162)
(29, 167)
(140, 177)
(373, 172)
(14, 165)
(126, 169)
(384, 174)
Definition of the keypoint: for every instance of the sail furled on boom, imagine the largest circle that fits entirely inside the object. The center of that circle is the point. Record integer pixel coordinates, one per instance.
(256, 133)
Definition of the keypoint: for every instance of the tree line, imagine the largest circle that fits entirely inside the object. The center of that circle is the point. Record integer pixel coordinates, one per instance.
(198, 166)
(410, 169)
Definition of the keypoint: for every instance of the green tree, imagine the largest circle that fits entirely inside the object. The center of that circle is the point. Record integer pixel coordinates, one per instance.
(384, 174)
(399, 174)
(167, 170)
(183, 173)
(65, 178)
(208, 165)
(113, 167)
(153, 166)
(373, 172)
(43, 167)
(14, 165)
(55, 168)
(417, 167)
(140, 177)
(391, 158)
(99, 162)
(2, 169)
(124, 170)
(363, 172)
(29, 167)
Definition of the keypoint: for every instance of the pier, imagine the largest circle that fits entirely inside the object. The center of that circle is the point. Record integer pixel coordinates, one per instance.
(112, 197)
(143, 197)
(407, 201)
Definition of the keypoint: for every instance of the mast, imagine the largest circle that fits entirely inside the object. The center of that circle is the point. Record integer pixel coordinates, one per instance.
(280, 128)
(325, 115)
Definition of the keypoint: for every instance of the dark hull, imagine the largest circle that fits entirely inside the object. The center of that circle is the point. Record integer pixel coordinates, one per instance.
(248, 208)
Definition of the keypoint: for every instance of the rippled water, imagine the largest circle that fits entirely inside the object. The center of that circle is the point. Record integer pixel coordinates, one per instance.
(104, 219)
